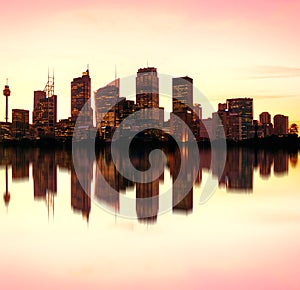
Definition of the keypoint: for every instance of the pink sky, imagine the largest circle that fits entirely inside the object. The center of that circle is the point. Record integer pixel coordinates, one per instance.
(230, 48)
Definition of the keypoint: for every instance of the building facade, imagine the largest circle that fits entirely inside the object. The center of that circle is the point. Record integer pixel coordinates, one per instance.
(281, 125)
(106, 100)
(244, 108)
(44, 115)
(81, 95)
(147, 88)
(20, 123)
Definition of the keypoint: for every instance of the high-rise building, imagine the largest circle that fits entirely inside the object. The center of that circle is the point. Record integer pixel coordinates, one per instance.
(244, 108)
(182, 103)
(106, 100)
(80, 95)
(44, 115)
(267, 126)
(182, 93)
(20, 123)
(281, 124)
(37, 97)
(231, 122)
(265, 118)
(147, 88)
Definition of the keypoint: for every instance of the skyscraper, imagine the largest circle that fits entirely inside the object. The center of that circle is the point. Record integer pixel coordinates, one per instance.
(44, 115)
(244, 108)
(147, 88)
(182, 93)
(20, 123)
(267, 126)
(80, 95)
(281, 124)
(182, 101)
(106, 99)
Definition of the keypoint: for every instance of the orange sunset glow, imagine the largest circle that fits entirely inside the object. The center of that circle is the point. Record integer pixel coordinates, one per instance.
(230, 48)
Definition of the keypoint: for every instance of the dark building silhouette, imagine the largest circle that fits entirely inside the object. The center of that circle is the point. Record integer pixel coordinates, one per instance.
(20, 123)
(44, 115)
(244, 108)
(182, 93)
(106, 107)
(147, 94)
(182, 104)
(265, 118)
(281, 125)
(147, 88)
(80, 95)
(105, 100)
(232, 123)
(265, 121)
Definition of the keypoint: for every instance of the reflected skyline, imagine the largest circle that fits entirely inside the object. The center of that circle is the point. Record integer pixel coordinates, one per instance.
(43, 167)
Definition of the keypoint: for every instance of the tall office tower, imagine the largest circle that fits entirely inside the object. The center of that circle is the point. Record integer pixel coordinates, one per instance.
(182, 93)
(37, 97)
(147, 88)
(20, 123)
(182, 103)
(106, 99)
(244, 108)
(80, 95)
(44, 115)
(267, 126)
(281, 124)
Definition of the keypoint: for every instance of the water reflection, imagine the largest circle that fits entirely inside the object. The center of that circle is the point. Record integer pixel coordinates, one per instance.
(42, 166)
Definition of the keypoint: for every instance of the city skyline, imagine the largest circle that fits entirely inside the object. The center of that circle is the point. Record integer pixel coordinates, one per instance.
(228, 48)
(81, 90)
(169, 105)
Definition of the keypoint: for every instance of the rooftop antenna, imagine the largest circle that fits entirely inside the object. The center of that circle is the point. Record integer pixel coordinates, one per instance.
(88, 67)
(115, 71)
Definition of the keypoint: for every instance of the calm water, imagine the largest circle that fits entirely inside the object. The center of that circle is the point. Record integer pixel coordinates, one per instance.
(53, 235)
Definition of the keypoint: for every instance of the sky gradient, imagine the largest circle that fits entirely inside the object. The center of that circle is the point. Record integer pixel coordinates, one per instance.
(230, 48)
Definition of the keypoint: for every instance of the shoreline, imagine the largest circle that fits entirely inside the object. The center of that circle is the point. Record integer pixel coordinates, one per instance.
(290, 142)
